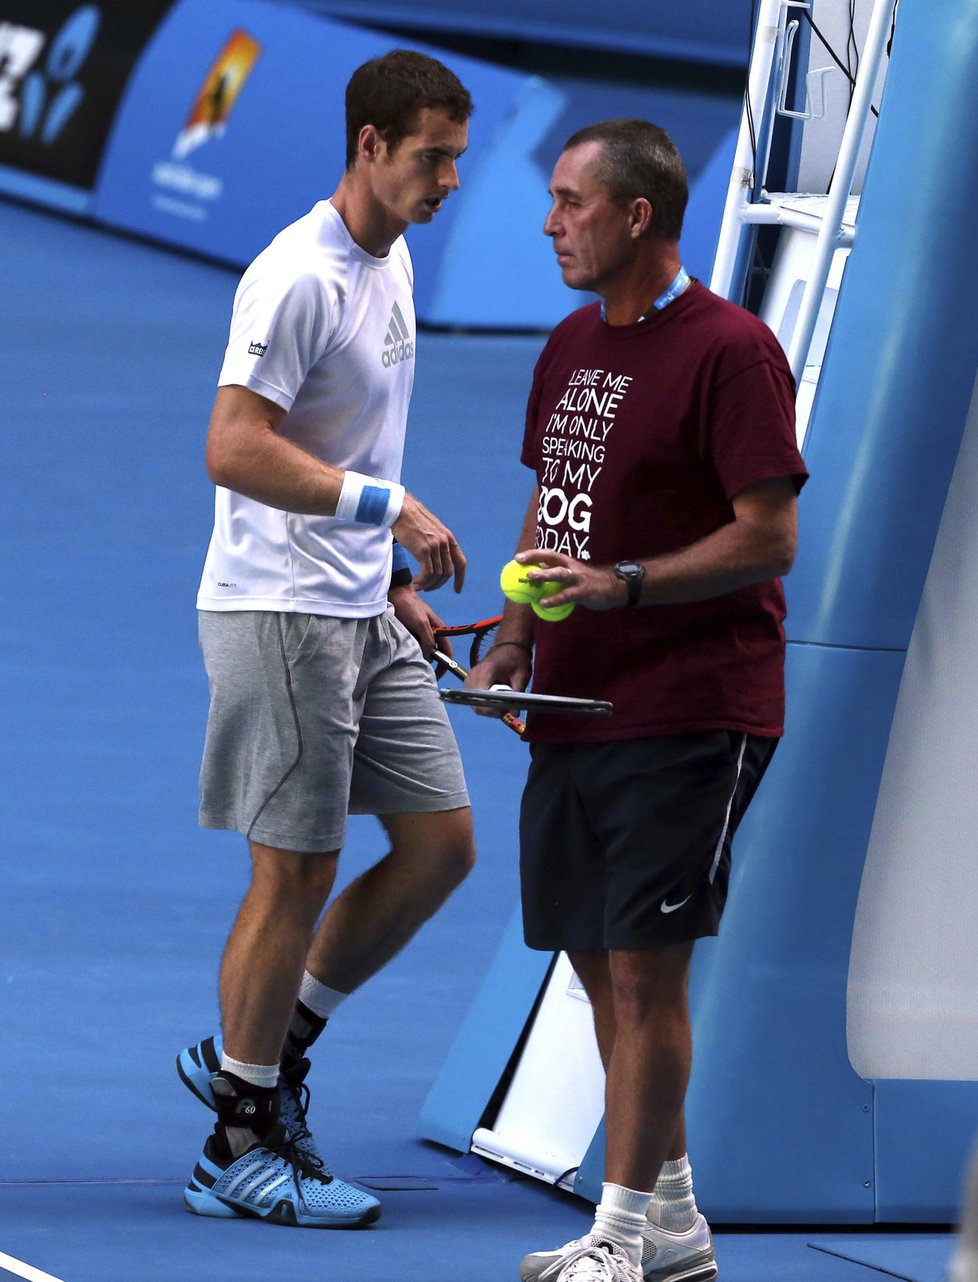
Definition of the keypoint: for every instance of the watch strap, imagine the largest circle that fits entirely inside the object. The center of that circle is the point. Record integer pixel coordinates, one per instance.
(632, 574)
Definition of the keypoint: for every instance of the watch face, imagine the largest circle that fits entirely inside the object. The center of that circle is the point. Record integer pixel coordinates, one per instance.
(632, 574)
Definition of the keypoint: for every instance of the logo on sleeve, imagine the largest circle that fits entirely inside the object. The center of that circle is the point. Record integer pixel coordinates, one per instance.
(257, 349)
(397, 345)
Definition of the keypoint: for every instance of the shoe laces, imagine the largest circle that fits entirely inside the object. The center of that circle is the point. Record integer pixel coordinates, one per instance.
(294, 1080)
(294, 1083)
(593, 1261)
(304, 1165)
(571, 1250)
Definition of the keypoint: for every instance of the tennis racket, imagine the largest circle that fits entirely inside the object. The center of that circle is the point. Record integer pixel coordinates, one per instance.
(480, 632)
(504, 697)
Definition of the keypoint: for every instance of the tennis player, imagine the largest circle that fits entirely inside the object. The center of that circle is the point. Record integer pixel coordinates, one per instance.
(314, 639)
(660, 428)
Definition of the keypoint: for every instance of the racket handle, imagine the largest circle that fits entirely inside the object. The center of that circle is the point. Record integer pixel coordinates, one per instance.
(508, 718)
(512, 720)
(455, 668)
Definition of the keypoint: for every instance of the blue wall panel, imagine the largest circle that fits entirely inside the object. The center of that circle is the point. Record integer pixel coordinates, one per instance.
(699, 30)
(900, 363)
(915, 1119)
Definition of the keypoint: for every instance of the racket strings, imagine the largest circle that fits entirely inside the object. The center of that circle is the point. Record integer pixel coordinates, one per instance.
(482, 644)
(480, 632)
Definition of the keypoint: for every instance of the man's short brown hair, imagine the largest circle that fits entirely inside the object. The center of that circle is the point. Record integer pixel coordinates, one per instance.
(391, 92)
(640, 159)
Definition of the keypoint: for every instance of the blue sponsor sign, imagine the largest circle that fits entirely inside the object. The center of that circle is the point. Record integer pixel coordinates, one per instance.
(63, 69)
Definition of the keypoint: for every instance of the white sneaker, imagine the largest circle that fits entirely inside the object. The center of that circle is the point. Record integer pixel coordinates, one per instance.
(678, 1257)
(586, 1259)
(666, 1257)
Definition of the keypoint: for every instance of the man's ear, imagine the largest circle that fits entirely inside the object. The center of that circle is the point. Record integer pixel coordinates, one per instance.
(369, 143)
(640, 217)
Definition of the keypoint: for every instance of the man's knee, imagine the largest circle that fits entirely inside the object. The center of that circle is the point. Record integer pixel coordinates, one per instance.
(457, 862)
(650, 982)
(457, 850)
(592, 969)
(441, 840)
(289, 876)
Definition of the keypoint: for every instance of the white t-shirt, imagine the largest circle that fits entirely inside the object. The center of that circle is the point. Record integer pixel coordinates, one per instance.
(327, 332)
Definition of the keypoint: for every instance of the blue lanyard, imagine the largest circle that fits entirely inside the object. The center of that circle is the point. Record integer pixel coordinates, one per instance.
(672, 293)
(668, 296)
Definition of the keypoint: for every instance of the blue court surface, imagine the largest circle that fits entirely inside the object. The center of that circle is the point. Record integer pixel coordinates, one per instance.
(115, 906)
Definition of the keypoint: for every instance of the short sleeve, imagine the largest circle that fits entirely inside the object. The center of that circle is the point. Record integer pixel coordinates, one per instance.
(528, 456)
(752, 424)
(278, 331)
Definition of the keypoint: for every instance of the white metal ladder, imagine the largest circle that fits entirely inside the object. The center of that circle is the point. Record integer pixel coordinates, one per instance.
(830, 218)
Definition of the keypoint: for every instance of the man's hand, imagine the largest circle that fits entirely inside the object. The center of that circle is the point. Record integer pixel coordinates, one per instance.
(595, 586)
(419, 619)
(432, 544)
(506, 664)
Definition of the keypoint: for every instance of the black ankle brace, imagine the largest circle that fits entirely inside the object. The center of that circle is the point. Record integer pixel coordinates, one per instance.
(243, 1105)
(304, 1028)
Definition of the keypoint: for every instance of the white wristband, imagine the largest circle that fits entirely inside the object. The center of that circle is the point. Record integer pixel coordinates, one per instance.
(368, 501)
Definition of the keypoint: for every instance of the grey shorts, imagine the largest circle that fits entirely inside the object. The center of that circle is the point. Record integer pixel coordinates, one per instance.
(313, 718)
(627, 844)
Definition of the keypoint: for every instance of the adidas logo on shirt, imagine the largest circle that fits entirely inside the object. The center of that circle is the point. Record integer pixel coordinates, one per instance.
(397, 345)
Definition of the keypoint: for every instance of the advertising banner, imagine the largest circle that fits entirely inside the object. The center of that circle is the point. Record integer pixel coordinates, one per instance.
(63, 70)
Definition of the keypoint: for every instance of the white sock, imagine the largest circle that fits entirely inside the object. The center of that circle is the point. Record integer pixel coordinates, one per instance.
(321, 999)
(265, 1075)
(620, 1217)
(673, 1206)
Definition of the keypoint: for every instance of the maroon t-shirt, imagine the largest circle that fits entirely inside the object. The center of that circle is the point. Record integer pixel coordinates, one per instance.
(640, 436)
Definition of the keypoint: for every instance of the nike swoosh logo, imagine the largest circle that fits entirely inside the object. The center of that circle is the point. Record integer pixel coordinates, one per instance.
(671, 908)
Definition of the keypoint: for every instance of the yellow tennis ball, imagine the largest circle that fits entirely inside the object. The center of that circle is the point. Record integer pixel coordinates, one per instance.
(552, 614)
(517, 587)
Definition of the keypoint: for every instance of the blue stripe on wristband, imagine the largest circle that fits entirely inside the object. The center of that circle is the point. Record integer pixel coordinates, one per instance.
(372, 508)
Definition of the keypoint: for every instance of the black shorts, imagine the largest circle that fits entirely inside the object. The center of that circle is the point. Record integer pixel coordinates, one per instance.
(627, 844)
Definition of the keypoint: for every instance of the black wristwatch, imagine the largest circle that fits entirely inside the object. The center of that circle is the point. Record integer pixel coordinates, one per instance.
(632, 573)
